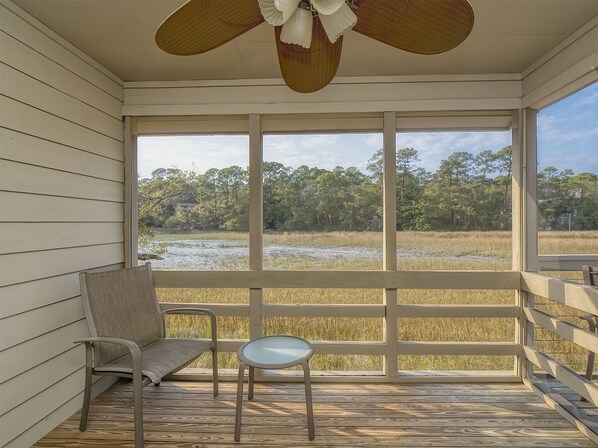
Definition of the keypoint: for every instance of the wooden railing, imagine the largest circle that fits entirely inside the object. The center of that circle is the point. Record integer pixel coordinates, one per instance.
(527, 317)
(385, 281)
(585, 300)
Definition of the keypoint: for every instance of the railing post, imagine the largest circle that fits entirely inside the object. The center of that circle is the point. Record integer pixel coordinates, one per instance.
(390, 242)
(530, 200)
(530, 220)
(524, 221)
(517, 230)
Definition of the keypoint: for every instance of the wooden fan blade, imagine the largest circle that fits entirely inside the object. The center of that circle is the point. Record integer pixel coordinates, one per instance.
(201, 25)
(306, 70)
(418, 26)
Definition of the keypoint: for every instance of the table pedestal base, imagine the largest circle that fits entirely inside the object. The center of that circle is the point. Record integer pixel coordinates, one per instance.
(245, 362)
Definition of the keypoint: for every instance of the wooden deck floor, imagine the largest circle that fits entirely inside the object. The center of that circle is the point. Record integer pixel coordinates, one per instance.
(184, 414)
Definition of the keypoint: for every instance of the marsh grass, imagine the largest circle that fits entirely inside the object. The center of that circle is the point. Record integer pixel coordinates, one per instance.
(455, 362)
(324, 239)
(575, 242)
(425, 251)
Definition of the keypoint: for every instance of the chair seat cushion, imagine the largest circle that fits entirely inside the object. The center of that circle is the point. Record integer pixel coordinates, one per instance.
(160, 358)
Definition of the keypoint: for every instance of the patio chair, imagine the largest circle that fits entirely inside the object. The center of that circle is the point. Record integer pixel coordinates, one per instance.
(128, 335)
(590, 277)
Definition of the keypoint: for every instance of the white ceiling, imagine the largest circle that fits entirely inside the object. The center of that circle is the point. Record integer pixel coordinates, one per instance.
(508, 36)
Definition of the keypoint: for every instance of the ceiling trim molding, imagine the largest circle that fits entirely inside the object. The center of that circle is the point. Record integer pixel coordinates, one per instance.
(567, 68)
(363, 95)
(570, 40)
(326, 107)
(406, 79)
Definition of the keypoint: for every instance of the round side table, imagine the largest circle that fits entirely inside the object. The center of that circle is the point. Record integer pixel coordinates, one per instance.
(274, 352)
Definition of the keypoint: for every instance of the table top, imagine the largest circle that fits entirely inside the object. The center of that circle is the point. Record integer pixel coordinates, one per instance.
(271, 352)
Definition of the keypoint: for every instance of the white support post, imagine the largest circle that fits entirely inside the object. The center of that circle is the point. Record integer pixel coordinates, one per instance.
(256, 226)
(130, 186)
(529, 218)
(390, 241)
(518, 230)
(518, 192)
(530, 203)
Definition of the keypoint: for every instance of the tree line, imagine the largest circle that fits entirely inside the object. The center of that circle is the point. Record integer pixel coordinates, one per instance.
(466, 192)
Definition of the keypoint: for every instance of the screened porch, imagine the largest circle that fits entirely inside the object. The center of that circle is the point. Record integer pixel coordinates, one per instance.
(459, 349)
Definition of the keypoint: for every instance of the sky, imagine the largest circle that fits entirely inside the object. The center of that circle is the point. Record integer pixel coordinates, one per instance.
(567, 138)
(568, 132)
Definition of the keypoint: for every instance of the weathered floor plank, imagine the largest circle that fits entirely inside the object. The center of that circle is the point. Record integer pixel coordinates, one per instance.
(184, 414)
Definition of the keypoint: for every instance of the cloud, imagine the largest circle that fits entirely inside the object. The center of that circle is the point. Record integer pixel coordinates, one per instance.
(374, 141)
(326, 151)
(198, 153)
(433, 147)
(567, 138)
(321, 150)
(568, 133)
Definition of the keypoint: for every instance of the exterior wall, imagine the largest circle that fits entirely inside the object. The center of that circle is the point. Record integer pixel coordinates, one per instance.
(61, 211)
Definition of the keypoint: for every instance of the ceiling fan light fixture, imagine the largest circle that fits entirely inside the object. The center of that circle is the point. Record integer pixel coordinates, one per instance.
(287, 7)
(327, 7)
(338, 23)
(272, 14)
(310, 47)
(298, 30)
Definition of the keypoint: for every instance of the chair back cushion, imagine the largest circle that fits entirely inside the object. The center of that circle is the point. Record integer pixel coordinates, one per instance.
(121, 304)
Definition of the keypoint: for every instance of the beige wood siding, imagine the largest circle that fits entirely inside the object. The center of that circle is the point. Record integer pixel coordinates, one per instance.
(61, 211)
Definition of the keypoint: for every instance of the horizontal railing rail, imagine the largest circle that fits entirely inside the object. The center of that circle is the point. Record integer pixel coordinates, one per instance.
(564, 374)
(347, 280)
(575, 295)
(339, 279)
(358, 310)
(563, 329)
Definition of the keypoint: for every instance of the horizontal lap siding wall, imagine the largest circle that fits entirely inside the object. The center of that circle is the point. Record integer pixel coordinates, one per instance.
(61, 211)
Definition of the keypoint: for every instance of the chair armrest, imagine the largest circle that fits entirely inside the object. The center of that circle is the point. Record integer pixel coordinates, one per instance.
(132, 346)
(198, 311)
(591, 321)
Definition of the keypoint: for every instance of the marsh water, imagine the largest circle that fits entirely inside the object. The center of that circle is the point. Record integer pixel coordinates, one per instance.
(214, 254)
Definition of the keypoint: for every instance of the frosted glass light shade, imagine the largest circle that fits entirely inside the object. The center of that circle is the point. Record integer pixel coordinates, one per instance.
(275, 16)
(287, 7)
(327, 7)
(298, 30)
(337, 24)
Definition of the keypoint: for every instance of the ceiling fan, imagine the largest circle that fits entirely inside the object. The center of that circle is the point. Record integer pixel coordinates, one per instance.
(309, 33)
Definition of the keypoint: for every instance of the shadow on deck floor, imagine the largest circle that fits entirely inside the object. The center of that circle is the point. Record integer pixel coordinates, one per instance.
(185, 414)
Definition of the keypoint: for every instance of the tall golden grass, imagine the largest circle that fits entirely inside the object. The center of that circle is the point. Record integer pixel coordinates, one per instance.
(424, 251)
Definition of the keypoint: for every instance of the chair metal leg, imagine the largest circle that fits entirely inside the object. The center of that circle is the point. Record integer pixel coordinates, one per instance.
(251, 381)
(239, 402)
(87, 392)
(591, 355)
(308, 401)
(590, 367)
(215, 371)
(138, 409)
